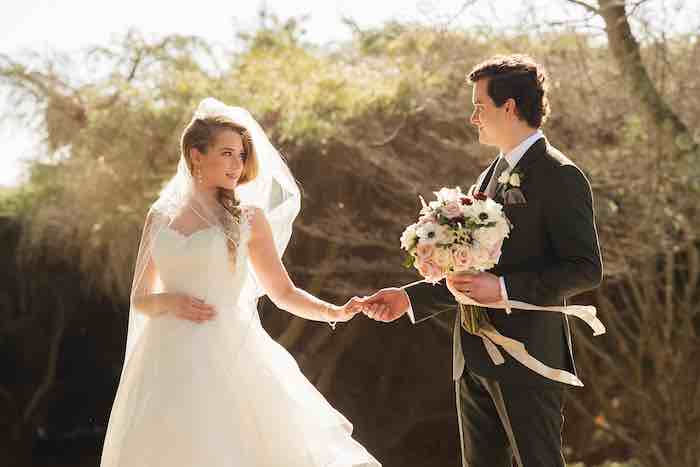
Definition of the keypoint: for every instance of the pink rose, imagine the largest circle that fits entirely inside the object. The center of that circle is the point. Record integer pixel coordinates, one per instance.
(430, 270)
(462, 258)
(425, 251)
(452, 209)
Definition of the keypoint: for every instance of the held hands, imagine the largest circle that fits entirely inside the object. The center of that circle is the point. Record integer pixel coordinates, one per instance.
(386, 305)
(391, 303)
(483, 287)
(186, 307)
(341, 314)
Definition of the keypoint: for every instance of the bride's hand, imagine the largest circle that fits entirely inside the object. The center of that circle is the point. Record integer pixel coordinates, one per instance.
(188, 308)
(347, 311)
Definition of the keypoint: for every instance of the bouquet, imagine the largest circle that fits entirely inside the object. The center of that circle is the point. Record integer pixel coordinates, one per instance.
(455, 234)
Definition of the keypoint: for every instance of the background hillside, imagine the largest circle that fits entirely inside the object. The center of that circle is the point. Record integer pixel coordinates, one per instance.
(366, 127)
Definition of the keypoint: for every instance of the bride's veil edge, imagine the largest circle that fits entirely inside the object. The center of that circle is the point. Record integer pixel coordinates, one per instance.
(274, 191)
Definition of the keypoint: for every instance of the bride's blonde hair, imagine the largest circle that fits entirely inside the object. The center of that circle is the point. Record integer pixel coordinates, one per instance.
(200, 134)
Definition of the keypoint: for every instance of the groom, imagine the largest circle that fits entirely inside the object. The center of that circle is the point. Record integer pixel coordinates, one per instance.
(507, 412)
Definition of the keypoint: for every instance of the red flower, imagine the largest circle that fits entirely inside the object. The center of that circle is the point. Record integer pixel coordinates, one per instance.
(466, 201)
(480, 196)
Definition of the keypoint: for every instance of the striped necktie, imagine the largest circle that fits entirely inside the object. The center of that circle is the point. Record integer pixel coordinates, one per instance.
(501, 166)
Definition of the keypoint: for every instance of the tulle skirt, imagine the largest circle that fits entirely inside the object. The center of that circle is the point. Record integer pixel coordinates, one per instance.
(222, 394)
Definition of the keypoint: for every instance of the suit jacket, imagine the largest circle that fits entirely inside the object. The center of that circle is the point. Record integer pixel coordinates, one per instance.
(552, 253)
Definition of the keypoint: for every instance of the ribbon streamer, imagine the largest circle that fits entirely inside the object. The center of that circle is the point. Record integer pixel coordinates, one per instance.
(516, 349)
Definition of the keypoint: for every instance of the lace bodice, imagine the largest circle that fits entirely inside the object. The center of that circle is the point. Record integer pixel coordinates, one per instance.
(198, 264)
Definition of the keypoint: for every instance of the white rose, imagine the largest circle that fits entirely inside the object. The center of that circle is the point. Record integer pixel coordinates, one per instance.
(488, 236)
(435, 205)
(409, 237)
(471, 210)
(514, 180)
(449, 194)
(503, 179)
(492, 207)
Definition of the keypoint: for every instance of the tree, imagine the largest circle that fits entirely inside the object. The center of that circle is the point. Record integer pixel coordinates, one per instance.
(362, 125)
(626, 51)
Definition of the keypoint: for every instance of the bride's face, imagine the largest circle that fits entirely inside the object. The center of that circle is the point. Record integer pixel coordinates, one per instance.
(223, 163)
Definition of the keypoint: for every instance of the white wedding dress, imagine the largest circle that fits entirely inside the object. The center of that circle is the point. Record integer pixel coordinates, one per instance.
(221, 393)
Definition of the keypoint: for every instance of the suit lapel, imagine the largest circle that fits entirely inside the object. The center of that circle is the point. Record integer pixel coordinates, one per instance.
(525, 163)
(531, 155)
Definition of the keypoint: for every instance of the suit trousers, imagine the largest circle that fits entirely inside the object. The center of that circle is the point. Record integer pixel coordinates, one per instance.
(505, 425)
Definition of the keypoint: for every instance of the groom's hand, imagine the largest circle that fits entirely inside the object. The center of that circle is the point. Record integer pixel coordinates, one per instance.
(386, 305)
(483, 287)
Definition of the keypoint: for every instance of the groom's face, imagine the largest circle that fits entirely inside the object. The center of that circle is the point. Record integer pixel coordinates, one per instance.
(486, 117)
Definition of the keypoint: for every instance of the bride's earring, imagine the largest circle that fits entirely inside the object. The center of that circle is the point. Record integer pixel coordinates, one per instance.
(198, 174)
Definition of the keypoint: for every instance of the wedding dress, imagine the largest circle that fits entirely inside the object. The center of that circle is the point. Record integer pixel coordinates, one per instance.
(221, 393)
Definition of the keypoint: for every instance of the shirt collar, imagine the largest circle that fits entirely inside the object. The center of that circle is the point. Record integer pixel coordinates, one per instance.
(517, 153)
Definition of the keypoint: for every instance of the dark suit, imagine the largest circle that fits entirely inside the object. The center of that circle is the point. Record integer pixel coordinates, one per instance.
(551, 254)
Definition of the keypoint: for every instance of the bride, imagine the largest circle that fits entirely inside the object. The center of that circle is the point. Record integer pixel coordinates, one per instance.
(203, 384)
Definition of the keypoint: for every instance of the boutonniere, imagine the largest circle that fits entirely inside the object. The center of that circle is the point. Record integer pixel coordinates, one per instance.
(510, 181)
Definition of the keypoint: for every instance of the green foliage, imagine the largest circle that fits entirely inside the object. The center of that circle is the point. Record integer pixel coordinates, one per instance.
(370, 125)
(116, 138)
(319, 94)
(15, 201)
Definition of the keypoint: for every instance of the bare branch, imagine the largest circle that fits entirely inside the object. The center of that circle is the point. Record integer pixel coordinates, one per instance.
(625, 48)
(459, 12)
(585, 5)
(391, 137)
(635, 6)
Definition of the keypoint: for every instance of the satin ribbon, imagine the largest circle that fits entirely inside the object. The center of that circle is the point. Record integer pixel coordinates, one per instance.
(493, 339)
(516, 349)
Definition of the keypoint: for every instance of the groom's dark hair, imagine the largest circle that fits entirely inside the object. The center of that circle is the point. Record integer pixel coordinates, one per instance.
(518, 77)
